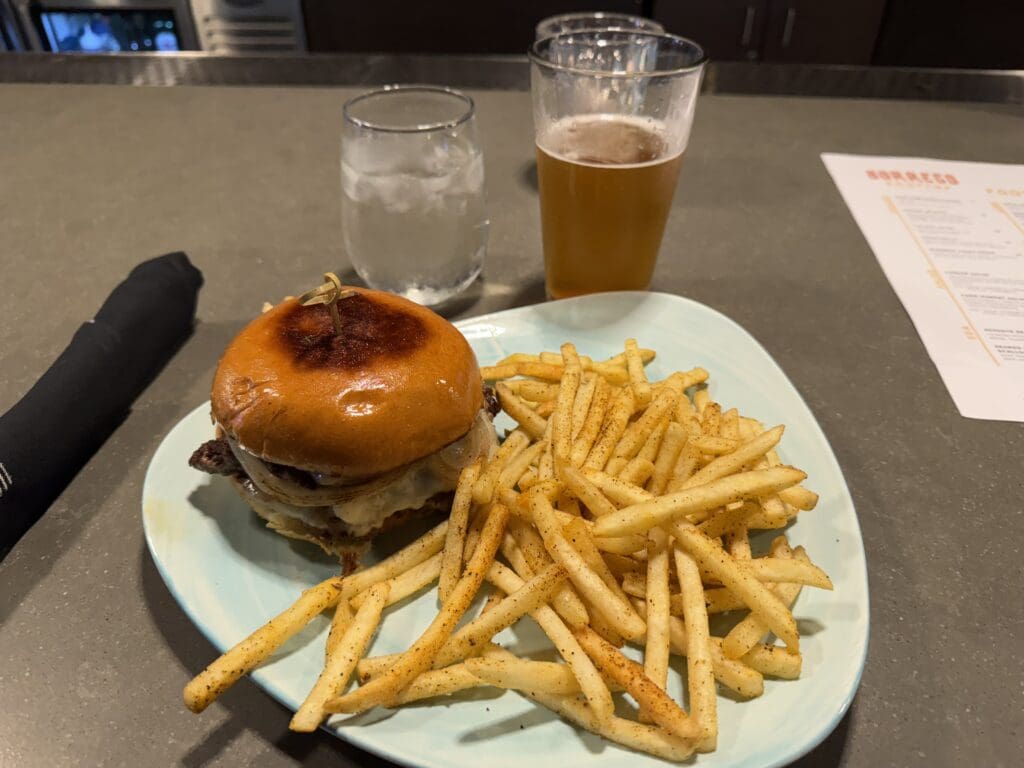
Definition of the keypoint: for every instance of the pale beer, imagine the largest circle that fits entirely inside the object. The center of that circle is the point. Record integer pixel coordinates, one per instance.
(606, 186)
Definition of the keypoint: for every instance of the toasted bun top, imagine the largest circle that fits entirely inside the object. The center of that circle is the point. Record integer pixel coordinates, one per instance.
(398, 384)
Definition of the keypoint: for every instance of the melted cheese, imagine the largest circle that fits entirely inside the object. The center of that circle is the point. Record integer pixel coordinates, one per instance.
(364, 510)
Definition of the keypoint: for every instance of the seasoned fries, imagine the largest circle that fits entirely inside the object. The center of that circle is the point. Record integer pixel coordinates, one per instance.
(341, 661)
(623, 510)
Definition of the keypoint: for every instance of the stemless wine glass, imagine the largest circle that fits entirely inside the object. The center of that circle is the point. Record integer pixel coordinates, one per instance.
(591, 20)
(412, 179)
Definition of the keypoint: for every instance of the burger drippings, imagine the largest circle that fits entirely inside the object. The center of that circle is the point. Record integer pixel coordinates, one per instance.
(371, 330)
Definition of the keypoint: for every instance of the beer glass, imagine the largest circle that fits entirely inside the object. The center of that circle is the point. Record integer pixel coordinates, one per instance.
(612, 114)
(412, 183)
(591, 20)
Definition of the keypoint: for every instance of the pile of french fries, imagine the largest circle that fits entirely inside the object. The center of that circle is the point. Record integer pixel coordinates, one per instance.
(617, 513)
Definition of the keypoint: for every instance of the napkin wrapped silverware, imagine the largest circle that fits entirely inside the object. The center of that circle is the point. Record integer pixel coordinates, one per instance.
(48, 436)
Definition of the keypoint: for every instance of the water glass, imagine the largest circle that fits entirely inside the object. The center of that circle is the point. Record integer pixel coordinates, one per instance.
(414, 220)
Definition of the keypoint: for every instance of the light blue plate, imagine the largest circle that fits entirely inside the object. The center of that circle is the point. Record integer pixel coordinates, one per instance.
(230, 574)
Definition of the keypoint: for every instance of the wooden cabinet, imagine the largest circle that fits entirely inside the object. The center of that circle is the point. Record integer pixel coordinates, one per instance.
(822, 31)
(813, 31)
(729, 30)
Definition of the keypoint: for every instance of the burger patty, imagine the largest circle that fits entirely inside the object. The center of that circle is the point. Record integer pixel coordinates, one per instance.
(215, 457)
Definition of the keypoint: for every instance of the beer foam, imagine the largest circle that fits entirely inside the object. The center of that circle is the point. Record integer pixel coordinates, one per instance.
(608, 140)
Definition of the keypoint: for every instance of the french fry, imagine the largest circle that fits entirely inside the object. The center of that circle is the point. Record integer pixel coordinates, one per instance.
(730, 426)
(530, 422)
(675, 506)
(742, 680)
(686, 465)
(637, 377)
(752, 630)
(518, 357)
(642, 738)
(565, 601)
(512, 552)
(734, 675)
(603, 627)
(685, 413)
(781, 571)
(611, 432)
(693, 377)
(620, 565)
(342, 661)
(701, 399)
(404, 584)
(553, 358)
(799, 497)
(622, 617)
(586, 491)
(716, 446)
(429, 685)
(618, 490)
(455, 538)
(535, 391)
(561, 419)
(632, 440)
(668, 455)
(420, 656)
(225, 671)
(699, 667)
(650, 448)
(578, 535)
(581, 404)
(370, 667)
(528, 479)
(498, 372)
(616, 464)
(583, 440)
(646, 356)
(437, 682)
(591, 683)
(711, 419)
(761, 601)
(656, 644)
(478, 632)
(717, 600)
(341, 619)
(483, 486)
(517, 465)
(521, 675)
(541, 370)
(630, 675)
(621, 545)
(425, 547)
(728, 519)
(637, 471)
(771, 660)
(737, 542)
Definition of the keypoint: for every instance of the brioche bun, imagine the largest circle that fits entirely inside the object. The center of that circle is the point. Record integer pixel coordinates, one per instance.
(398, 384)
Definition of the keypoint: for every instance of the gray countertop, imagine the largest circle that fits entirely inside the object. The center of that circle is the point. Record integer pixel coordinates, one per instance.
(94, 651)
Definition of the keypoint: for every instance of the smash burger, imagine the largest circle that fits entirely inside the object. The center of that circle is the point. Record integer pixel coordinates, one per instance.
(333, 437)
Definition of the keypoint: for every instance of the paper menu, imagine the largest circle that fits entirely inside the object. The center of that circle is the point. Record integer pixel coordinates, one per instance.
(950, 238)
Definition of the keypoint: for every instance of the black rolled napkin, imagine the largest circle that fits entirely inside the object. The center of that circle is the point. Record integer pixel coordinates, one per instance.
(62, 421)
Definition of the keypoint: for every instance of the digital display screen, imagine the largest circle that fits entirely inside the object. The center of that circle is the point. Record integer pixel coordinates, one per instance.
(108, 31)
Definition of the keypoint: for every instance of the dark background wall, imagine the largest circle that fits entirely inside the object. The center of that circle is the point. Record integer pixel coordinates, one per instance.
(932, 33)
